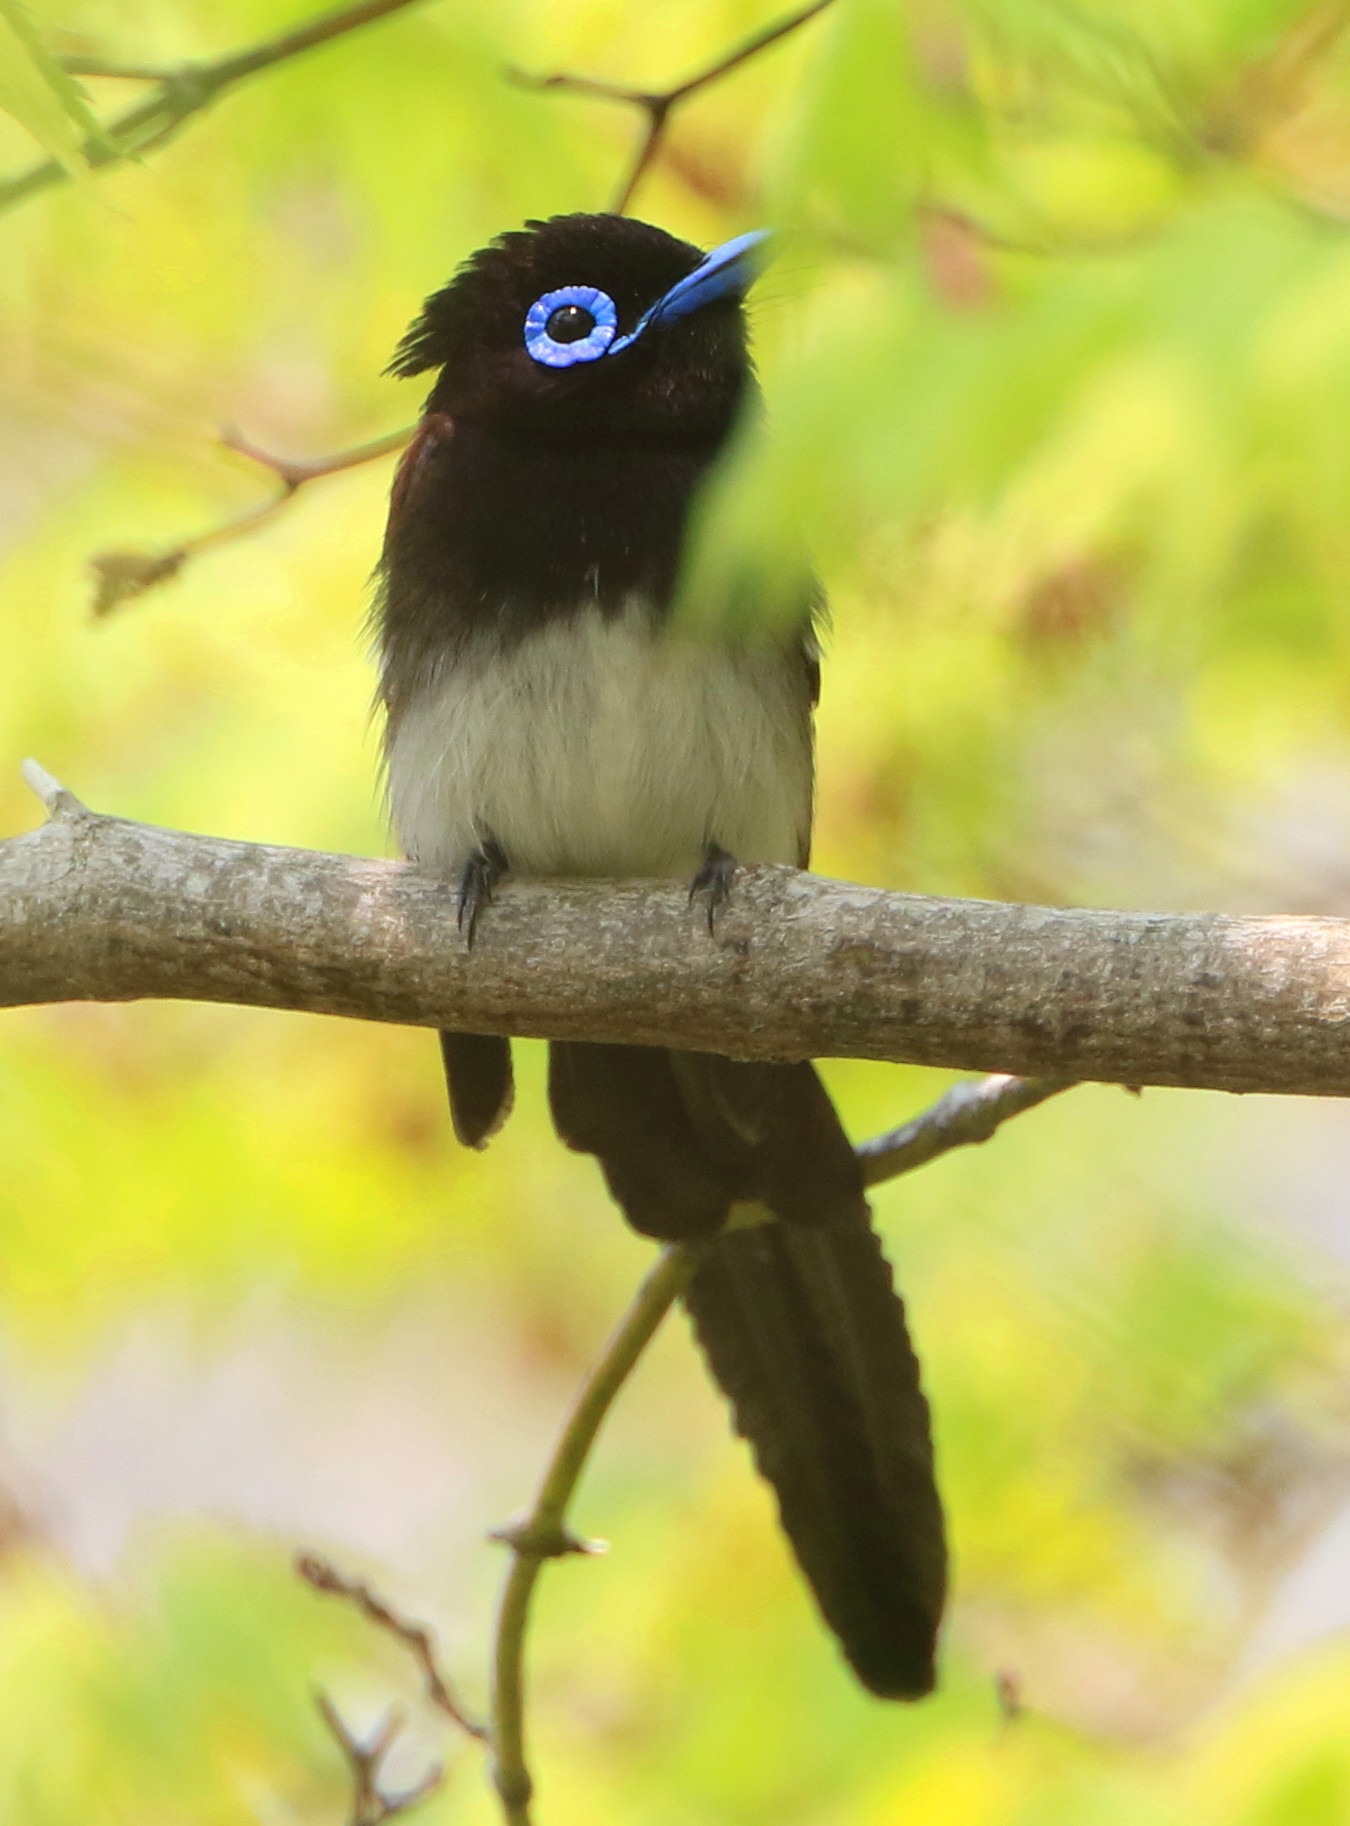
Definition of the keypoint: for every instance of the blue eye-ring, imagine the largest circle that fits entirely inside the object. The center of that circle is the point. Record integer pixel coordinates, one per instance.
(566, 310)
(579, 323)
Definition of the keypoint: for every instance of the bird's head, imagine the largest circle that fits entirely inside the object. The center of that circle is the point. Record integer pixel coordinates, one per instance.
(590, 326)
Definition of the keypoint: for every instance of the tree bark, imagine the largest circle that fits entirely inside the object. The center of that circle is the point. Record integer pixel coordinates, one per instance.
(102, 909)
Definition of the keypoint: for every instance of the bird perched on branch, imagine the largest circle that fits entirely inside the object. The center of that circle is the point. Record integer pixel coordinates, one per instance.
(548, 712)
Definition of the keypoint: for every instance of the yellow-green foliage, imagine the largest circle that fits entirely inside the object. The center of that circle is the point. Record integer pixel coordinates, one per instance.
(1058, 357)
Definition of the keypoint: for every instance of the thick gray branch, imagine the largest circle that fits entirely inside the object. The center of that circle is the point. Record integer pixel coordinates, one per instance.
(101, 909)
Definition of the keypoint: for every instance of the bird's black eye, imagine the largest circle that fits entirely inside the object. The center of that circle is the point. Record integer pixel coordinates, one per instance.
(569, 323)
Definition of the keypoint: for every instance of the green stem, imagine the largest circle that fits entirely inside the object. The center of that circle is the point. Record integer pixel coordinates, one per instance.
(184, 92)
(968, 1113)
(542, 1534)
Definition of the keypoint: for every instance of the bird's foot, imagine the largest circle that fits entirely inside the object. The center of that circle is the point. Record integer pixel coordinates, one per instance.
(479, 876)
(715, 876)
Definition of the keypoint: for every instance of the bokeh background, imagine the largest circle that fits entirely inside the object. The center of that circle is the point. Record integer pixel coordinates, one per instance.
(1058, 359)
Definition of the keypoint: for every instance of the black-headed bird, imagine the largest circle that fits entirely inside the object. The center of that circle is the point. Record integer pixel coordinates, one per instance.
(549, 713)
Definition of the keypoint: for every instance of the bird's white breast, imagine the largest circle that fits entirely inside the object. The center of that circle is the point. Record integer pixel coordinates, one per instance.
(604, 747)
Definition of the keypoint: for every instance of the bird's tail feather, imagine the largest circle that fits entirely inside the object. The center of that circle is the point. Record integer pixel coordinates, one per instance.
(805, 1335)
(479, 1082)
(798, 1319)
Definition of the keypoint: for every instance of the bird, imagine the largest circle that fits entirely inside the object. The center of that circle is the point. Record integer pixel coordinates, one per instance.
(550, 711)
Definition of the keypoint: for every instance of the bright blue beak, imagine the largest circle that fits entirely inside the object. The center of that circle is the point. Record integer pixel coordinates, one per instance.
(727, 272)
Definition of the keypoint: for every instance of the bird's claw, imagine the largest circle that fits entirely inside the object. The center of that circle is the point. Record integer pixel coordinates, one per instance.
(477, 879)
(715, 876)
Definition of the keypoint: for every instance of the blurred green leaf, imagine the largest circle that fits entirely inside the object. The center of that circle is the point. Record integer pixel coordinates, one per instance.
(1057, 367)
(39, 94)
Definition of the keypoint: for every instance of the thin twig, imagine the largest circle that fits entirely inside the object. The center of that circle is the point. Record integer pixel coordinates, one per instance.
(658, 104)
(372, 1804)
(541, 1534)
(119, 576)
(324, 1577)
(1274, 88)
(968, 1113)
(186, 91)
(57, 799)
(113, 70)
(1008, 1693)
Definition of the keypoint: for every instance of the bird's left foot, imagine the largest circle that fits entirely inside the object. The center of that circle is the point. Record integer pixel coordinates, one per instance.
(715, 876)
(477, 879)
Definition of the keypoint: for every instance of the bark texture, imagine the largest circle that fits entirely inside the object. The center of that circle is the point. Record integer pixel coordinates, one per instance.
(102, 909)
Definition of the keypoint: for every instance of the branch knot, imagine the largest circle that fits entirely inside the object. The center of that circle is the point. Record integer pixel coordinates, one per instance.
(540, 1537)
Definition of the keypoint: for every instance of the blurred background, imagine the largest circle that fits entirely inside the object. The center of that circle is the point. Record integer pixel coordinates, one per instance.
(1058, 362)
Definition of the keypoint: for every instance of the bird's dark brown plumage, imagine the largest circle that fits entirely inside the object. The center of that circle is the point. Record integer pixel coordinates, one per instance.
(528, 582)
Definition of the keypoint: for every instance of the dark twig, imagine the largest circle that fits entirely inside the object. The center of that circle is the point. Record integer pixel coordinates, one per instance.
(119, 576)
(180, 94)
(1008, 1693)
(324, 1577)
(967, 1113)
(372, 1804)
(658, 104)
